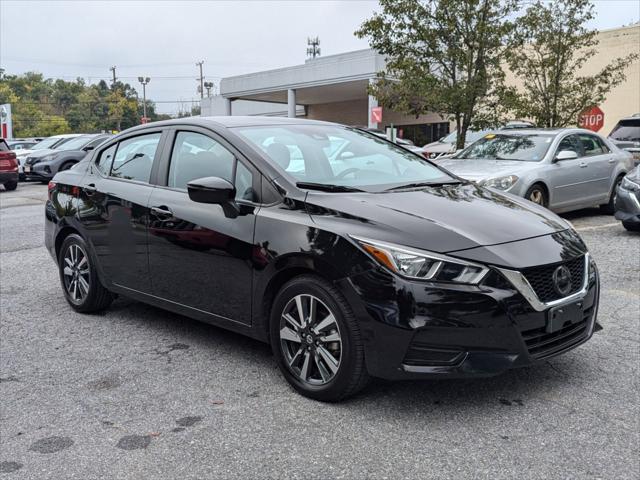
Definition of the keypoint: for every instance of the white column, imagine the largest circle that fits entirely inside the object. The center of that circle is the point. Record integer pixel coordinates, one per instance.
(227, 107)
(373, 102)
(291, 103)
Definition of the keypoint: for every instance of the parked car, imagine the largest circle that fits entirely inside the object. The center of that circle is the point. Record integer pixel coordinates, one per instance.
(627, 202)
(46, 144)
(562, 169)
(8, 167)
(626, 135)
(403, 142)
(446, 146)
(18, 145)
(377, 264)
(44, 164)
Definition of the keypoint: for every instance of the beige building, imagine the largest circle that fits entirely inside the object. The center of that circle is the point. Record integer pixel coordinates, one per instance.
(334, 88)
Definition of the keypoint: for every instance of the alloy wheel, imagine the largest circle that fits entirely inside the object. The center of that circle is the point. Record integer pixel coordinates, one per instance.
(76, 273)
(310, 340)
(536, 196)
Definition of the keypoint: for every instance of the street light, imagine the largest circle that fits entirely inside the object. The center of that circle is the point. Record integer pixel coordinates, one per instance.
(144, 81)
(208, 86)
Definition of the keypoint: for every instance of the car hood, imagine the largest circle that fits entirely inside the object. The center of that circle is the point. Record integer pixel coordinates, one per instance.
(477, 170)
(42, 153)
(439, 147)
(440, 219)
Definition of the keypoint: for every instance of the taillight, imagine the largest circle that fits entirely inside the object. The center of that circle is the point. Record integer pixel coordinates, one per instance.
(51, 187)
(8, 162)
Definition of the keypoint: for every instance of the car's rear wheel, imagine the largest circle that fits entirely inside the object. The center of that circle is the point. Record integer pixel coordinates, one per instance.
(79, 277)
(537, 194)
(316, 340)
(11, 185)
(610, 207)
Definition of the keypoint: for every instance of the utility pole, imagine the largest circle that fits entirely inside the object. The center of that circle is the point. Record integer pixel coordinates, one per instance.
(144, 81)
(313, 49)
(199, 64)
(113, 70)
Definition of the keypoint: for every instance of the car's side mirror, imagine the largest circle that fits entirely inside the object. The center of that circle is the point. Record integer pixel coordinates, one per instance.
(88, 148)
(565, 155)
(211, 190)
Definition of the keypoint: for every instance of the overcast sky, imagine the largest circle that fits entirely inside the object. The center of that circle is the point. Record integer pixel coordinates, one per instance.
(165, 38)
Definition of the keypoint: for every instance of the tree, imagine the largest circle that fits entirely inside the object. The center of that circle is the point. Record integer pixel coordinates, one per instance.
(554, 44)
(443, 56)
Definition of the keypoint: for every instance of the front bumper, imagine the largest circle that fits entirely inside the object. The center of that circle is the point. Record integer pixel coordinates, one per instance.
(627, 206)
(416, 329)
(39, 171)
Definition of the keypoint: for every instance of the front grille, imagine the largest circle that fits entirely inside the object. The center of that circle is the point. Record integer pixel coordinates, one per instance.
(541, 279)
(541, 344)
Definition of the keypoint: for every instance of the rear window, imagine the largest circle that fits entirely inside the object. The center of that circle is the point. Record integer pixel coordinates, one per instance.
(626, 130)
(3, 146)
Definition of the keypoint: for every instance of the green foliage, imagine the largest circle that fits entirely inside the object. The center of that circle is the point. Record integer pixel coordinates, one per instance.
(553, 45)
(443, 56)
(43, 107)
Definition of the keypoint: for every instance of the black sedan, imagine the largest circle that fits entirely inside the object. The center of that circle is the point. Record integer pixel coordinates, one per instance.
(627, 201)
(352, 256)
(44, 164)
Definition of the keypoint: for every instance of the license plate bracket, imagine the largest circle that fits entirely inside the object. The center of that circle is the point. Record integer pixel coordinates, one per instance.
(564, 315)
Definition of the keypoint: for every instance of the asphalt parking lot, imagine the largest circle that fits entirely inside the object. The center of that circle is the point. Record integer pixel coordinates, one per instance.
(136, 392)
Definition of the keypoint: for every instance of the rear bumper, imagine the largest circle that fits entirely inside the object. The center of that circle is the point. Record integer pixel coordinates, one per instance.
(8, 177)
(415, 330)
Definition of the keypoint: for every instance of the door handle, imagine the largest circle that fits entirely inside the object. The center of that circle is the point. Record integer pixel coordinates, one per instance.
(583, 165)
(161, 211)
(612, 160)
(89, 189)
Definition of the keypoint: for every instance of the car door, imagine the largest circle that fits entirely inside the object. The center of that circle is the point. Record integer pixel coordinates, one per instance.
(568, 177)
(601, 165)
(200, 257)
(114, 210)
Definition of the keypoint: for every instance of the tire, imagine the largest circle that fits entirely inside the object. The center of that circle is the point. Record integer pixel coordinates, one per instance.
(88, 295)
(66, 166)
(610, 208)
(631, 227)
(11, 185)
(537, 194)
(326, 379)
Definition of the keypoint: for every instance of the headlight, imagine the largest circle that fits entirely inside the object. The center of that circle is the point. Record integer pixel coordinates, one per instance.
(47, 158)
(501, 183)
(422, 265)
(630, 185)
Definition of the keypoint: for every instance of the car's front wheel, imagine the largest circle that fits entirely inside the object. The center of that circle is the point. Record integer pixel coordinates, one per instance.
(79, 277)
(537, 194)
(632, 227)
(316, 340)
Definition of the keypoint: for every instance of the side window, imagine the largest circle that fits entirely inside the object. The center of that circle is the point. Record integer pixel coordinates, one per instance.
(95, 143)
(195, 156)
(569, 143)
(134, 157)
(603, 145)
(591, 145)
(103, 163)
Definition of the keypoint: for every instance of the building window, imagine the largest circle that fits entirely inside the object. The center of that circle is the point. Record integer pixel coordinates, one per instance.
(424, 133)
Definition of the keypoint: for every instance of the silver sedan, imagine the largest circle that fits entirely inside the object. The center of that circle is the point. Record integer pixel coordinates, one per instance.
(561, 169)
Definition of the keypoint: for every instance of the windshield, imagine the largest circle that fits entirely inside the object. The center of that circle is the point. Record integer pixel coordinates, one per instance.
(627, 130)
(47, 143)
(472, 136)
(335, 155)
(76, 143)
(499, 146)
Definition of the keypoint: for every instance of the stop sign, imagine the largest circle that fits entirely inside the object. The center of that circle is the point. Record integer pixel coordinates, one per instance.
(592, 119)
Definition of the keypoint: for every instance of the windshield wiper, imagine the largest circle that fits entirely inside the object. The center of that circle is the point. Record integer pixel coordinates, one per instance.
(423, 184)
(327, 187)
